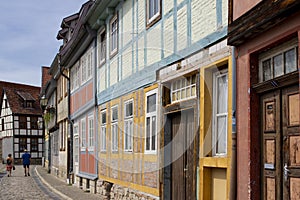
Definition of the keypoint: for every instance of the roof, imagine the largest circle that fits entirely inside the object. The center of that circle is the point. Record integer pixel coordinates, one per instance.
(18, 93)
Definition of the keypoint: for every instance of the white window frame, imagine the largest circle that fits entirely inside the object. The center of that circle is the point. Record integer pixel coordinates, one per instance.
(86, 62)
(103, 132)
(76, 143)
(216, 115)
(114, 130)
(181, 86)
(83, 134)
(113, 35)
(128, 127)
(152, 18)
(151, 115)
(75, 77)
(102, 46)
(91, 128)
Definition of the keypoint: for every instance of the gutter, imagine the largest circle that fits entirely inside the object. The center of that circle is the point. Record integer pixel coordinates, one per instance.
(233, 184)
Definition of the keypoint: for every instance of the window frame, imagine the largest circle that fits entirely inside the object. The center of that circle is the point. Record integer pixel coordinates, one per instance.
(76, 143)
(22, 144)
(23, 123)
(103, 132)
(83, 134)
(156, 17)
(151, 115)
(128, 147)
(34, 122)
(102, 46)
(32, 144)
(114, 130)
(113, 20)
(184, 88)
(91, 143)
(215, 114)
(279, 50)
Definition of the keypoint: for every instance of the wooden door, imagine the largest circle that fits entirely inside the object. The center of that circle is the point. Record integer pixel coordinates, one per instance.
(291, 144)
(183, 156)
(281, 144)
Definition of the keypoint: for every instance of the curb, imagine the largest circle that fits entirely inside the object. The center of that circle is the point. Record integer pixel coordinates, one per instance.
(52, 188)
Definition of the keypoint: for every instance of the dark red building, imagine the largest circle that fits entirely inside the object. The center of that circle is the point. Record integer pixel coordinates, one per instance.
(266, 36)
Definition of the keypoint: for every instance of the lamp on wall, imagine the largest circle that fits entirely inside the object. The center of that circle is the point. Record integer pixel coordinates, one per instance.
(43, 102)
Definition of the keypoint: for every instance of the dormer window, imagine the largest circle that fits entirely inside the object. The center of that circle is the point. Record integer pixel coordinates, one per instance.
(28, 104)
(27, 99)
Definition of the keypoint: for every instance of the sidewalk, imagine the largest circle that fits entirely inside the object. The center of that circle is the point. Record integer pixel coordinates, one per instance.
(61, 188)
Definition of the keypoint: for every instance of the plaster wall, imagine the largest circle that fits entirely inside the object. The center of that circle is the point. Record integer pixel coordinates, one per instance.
(247, 134)
(241, 7)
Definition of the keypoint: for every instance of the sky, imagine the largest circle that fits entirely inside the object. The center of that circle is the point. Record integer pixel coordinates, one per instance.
(28, 30)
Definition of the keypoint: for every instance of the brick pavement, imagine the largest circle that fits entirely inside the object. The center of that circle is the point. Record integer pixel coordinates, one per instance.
(40, 185)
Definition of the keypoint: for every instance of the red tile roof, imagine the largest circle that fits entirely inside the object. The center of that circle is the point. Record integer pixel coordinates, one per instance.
(15, 100)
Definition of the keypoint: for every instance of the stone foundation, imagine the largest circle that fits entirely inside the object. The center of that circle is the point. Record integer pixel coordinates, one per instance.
(112, 191)
(93, 187)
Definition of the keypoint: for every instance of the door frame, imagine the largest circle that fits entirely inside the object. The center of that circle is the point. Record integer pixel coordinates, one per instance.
(168, 111)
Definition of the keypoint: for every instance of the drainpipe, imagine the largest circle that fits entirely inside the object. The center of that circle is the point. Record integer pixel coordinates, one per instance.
(233, 184)
(69, 120)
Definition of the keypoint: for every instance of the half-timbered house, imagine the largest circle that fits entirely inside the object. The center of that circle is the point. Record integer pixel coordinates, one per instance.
(77, 55)
(19, 128)
(164, 96)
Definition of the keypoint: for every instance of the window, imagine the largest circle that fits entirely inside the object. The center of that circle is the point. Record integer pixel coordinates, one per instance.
(278, 61)
(83, 133)
(76, 143)
(114, 128)
(103, 131)
(91, 131)
(63, 126)
(220, 102)
(34, 144)
(83, 70)
(114, 35)
(153, 11)
(34, 122)
(89, 65)
(75, 77)
(55, 143)
(102, 47)
(5, 103)
(28, 104)
(3, 127)
(22, 144)
(86, 66)
(184, 88)
(151, 121)
(128, 126)
(22, 122)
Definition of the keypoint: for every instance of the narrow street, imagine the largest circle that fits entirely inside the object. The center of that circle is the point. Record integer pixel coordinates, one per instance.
(20, 187)
(39, 185)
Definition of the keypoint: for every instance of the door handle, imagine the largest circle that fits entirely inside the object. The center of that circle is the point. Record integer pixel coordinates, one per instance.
(286, 171)
(185, 169)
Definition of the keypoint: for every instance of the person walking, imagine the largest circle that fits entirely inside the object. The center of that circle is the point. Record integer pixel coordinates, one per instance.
(9, 164)
(26, 162)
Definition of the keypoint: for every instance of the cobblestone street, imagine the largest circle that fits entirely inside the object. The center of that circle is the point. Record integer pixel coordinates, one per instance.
(39, 185)
(20, 187)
